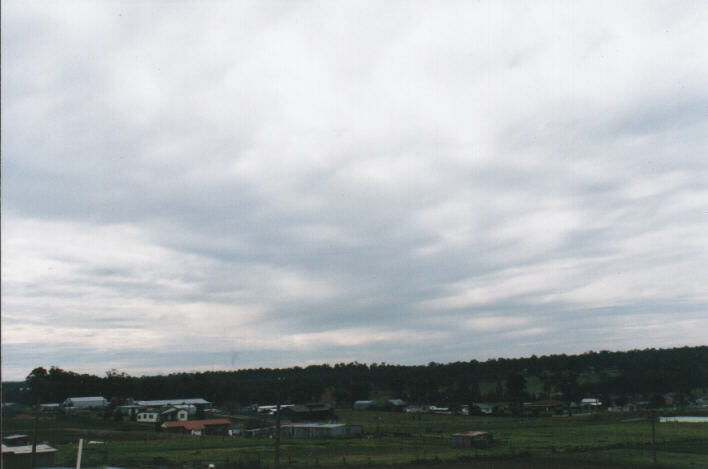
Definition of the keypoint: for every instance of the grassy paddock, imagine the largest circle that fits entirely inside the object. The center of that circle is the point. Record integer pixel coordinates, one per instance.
(391, 438)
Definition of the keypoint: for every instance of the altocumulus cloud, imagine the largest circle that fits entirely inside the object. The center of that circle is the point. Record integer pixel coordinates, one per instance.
(271, 184)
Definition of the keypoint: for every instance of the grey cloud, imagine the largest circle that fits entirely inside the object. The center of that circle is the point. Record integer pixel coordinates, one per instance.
(275, 174)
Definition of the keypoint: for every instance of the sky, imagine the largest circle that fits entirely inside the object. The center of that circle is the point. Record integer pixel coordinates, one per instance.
(224, 185)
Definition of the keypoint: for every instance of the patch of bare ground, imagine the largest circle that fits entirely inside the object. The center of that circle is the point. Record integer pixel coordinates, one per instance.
(512, 464)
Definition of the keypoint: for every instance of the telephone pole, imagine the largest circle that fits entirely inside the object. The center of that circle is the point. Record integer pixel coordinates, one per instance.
(277, 425)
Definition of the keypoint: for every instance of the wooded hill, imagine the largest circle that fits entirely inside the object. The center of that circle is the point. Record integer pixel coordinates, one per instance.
(611, 376)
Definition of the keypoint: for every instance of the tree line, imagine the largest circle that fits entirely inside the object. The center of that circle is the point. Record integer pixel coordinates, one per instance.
(615, 376)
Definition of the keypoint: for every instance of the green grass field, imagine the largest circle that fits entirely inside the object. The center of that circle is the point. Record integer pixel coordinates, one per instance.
(392, 438)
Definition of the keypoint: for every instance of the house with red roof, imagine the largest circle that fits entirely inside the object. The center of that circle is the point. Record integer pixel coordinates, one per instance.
(198, 427)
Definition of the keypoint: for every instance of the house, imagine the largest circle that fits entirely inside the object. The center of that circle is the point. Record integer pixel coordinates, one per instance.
(198, 427)
(483, 407)
(590, 402)
(174, 414)
(472, 439)
(150, 416)
(396, 404)
(415, 409)
(78, 403)
(199, 403)
(439, 410)
(319, 430)
(270, 409)
(20, 457)
(311, 412)
(364, 405)
(131, 410)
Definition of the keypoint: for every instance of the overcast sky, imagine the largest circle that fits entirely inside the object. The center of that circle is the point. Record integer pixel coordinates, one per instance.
(222, 185)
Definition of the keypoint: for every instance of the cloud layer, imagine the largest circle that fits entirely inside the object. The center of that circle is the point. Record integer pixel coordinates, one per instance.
(250, 184)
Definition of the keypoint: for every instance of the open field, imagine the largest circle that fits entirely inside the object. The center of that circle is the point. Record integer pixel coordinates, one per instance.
(602, 440)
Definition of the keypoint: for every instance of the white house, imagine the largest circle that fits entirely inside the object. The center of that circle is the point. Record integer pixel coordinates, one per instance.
(174, 414)
(147, 416)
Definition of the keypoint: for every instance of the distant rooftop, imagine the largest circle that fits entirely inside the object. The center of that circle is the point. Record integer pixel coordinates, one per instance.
(86, 399)
(161, 402)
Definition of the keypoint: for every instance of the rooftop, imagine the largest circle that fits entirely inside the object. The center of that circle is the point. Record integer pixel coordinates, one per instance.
(27, 449)
(196, 424)
(162, 402)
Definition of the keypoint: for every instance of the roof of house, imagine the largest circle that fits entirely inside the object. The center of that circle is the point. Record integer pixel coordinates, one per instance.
(86, 399)
(315, 425)
(174, 409)
(196, 424)
(27, 449)
(162, 402)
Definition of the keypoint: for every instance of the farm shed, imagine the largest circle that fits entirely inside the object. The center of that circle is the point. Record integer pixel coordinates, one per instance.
(20, 457)
(199, 403)
(85, 402)
(320, 430)
(198, 427)
(472, 440)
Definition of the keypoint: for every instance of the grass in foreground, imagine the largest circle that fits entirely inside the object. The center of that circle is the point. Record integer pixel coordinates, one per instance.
(392, 438)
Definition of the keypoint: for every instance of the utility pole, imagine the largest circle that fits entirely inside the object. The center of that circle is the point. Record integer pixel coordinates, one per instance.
(33, 460)
(277, 426)
(653, 435)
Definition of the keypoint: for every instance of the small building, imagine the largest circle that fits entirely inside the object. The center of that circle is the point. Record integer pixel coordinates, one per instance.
(670, 399)
(271, 409)
(198, 403)
(91, 402)
(364, 405)
(396, 404)
(478, 408)
(415, 409)
(150, 416)
(309, 431)
(20, 457)
(472, 440)
(131, 410)
(49, 408)
(590, 402)
(174, 414)
(198, 427)
(439, 410)
(16, 440)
